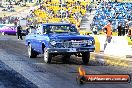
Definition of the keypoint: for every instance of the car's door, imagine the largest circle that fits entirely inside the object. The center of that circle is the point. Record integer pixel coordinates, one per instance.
(39, 42)
(34, 41)
(41, 38)
(31, 37)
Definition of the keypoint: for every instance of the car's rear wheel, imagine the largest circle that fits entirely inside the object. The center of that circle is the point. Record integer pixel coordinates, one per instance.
(47, 56)
(85, 57)
(31, 52)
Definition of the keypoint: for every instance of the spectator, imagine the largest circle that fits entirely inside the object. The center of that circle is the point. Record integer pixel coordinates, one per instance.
(27, 30)
(126, 28)
(95, 30)
(130, 32)
(119, 28)
(123, 30)
(19, 34)
(78, 25)
(108, 30)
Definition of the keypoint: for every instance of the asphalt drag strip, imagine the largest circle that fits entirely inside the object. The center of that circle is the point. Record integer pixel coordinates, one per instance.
(13, 53)
(96, 59)
(11, 79)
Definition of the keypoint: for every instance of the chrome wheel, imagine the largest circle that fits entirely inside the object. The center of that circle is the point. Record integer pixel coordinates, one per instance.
(29, 51)
(3, 33)
(47, 56)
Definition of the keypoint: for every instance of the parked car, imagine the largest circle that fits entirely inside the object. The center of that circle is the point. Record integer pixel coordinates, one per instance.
(1, 25)
(53, 39)
(10, 30)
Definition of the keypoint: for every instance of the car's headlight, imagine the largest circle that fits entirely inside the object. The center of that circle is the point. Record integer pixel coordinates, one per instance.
(53, 43)
(90, 42)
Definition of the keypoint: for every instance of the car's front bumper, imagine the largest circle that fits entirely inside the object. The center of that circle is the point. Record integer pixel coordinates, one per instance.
(70, 50)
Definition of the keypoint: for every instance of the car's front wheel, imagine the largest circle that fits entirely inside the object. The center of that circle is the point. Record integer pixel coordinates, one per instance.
(85, 57)
(31, 52)
(47, 56)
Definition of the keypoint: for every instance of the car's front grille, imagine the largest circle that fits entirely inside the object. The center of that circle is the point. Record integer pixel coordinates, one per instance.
(71, 44)
(67, 44)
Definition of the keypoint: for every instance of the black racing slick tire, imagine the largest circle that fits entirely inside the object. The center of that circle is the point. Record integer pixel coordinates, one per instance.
(85, 57)
(31, 52)
(47, 56)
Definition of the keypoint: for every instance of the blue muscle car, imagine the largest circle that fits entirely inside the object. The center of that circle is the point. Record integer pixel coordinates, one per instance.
(53, 39)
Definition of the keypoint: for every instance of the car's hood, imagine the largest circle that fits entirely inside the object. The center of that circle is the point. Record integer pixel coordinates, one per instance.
(69, 36)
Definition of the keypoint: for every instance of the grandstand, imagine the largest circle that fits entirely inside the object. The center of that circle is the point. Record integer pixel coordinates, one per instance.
(56, 11)
(70, 11)
(116, 12)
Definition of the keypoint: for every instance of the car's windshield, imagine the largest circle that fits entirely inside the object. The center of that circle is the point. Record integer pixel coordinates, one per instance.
(61, 29)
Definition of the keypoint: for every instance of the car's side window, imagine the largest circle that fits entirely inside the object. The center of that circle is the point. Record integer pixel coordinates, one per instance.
(32, 30)
(39, 30)
(48, 29)
(44, 29)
